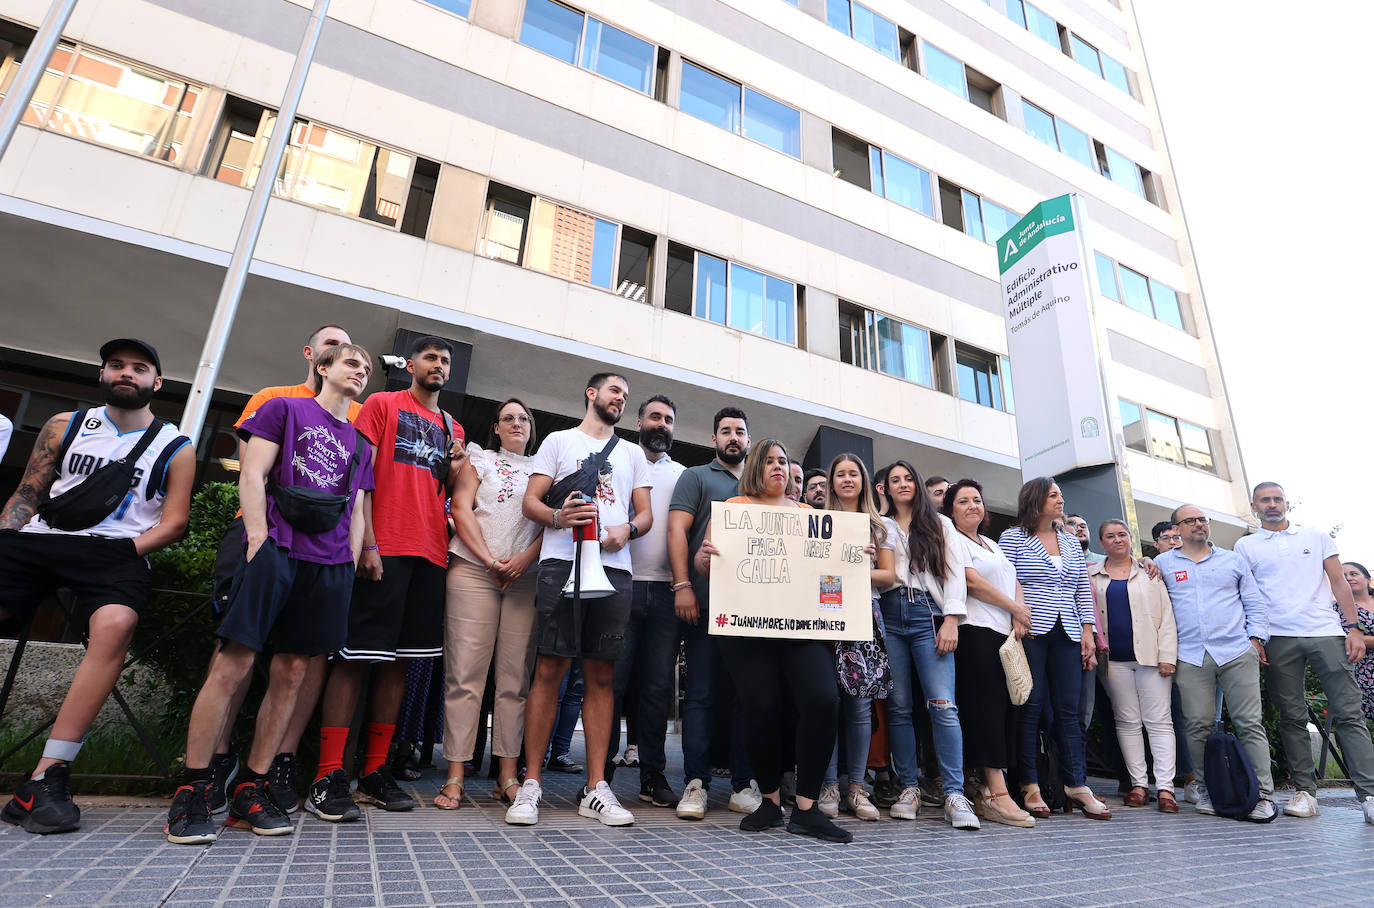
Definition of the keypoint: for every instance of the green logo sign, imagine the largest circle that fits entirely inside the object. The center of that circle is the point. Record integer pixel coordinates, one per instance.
(1049, 218)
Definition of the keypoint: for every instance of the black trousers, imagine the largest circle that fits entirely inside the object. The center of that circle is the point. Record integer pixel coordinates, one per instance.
(768, 672)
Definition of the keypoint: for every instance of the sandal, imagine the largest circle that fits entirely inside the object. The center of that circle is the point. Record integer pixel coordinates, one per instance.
(499, 792)
(1000, 808)
(1084, 799)
(1035, 803)
(453, 803)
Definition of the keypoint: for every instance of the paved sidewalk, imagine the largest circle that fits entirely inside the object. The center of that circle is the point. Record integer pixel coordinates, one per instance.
(471, 857)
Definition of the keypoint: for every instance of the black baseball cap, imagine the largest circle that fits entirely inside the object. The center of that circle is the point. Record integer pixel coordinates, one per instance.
(110, 347)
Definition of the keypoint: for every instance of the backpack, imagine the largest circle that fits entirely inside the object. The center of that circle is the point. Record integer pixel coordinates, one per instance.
(1050, 770)
(1231, 780)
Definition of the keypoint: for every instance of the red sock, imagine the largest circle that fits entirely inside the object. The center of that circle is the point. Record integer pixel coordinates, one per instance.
(378, 744)
(333, 739)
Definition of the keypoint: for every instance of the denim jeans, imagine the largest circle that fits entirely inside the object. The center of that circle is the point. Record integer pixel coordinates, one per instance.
(651, 640)
(1056, 664)
(909, 622)
(856, 725)
(569, 709)
(702, 661)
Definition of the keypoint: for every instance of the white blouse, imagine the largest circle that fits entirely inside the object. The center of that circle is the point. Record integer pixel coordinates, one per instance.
(502, 477)
(996, 569)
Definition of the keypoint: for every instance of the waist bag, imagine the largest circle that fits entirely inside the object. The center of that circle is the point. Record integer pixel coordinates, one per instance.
(314, 510)
(96, 497)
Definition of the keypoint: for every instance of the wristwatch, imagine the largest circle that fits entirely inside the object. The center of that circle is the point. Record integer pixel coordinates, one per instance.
(634, 531)
(556, 512)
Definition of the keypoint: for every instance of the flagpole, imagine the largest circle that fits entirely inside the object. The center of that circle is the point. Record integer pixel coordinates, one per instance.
(32, 69)
(231, 291)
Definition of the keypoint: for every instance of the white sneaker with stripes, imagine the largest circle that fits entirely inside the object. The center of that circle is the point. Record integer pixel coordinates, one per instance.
(600, 803)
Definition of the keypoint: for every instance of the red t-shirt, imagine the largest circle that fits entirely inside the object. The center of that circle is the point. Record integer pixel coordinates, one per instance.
(409, 503)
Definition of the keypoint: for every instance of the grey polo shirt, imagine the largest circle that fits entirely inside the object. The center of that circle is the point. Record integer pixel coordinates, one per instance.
(696, 488)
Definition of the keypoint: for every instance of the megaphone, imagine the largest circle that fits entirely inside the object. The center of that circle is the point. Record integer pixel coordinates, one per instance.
(587, 579)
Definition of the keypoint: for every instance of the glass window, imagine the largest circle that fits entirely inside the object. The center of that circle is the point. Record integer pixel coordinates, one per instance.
(616, 55)
(603, 254)
(1106, 277)
(632, 271)
(571, 244)
(978, 380)
(1075, 143)
(1166, 304)
(1039, 124)
(461, 7)
(903, 350)
(997, 220)
(1135, 291)
(906, 184)
(1124, 172)
(712, 281)
(1115, 73)
(852, 159)
(1133, 426)
(973, 216)
(747, 299)
(946, 71)
(1197, 447)
(772, 123)
(875, 170)
(837, 14)
(1164, 440)
(1016, 12)
(1042, 26)
(875, 31)
(552, 28)
(1006, 384)
(331, 169)
(780, 314)
(707, 96)
(505, 231)
(1086, 54)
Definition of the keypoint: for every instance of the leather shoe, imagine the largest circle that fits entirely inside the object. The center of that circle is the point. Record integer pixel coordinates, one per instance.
(1167, 804)
(1135, 797)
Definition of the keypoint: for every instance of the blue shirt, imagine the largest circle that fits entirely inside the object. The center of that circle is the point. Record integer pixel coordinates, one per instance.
(1053, 593)
(1217, 605)
(1120, 627)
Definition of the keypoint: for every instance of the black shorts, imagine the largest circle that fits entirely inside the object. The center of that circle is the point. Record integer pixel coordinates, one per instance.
(601, 632)
(100, 571)
(302, 606)
(400, 616)
(227, 561)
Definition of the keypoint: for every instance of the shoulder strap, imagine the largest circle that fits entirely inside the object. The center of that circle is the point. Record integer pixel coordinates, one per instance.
(606, 451)
(448, 426)
(144, 442)
(355, 460)
(70, 435)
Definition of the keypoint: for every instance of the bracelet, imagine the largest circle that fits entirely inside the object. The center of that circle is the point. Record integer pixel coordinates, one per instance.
(556, 512)
(369, 548)
(680, 586)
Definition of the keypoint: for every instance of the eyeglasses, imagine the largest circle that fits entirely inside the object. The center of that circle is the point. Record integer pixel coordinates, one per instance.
(511, 419)
(1189, 521)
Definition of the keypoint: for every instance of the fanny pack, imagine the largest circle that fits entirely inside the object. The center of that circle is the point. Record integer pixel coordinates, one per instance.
(314, 510)
(95, 497)
(584, 479)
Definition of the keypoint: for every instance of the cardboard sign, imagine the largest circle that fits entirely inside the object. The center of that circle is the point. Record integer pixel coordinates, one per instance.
(791, 573)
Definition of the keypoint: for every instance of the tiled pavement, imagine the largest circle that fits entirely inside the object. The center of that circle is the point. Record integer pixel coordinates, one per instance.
(470, 857)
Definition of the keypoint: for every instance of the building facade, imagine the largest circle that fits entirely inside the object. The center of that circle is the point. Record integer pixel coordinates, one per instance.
(783, 205)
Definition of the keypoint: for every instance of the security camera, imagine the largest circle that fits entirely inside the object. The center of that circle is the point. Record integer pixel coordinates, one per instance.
(391, 361)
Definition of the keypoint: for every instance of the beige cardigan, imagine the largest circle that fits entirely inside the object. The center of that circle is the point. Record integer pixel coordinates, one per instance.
(1152, 614)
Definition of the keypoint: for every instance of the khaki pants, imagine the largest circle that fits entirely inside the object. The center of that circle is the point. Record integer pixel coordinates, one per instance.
(481, 620)
(1240, 683)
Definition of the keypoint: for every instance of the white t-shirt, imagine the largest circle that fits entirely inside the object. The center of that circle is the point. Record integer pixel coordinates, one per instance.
(1289, 572)
(650, 551)
(562, 453)
(6, 432)
(996, 569)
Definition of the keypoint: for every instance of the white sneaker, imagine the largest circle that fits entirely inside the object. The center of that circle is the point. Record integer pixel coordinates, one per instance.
(856, 802)
(632, 755)
(1264, 812)
(1204, 804)
(1192, 792)
(618, 759)
(829, 801)
(1367, 805)
(747, 800)
(692, 805)
(906, 806)
(525, 810)
(600, 803)
(1302, 804)
(959, 812)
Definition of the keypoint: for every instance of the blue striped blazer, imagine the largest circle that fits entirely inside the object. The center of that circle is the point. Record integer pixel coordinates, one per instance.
(1063, 594)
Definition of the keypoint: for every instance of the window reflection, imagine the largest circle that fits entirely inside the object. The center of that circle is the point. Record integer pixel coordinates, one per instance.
(1164, 439)
(708, 97)
(571, 244)
(946, 71)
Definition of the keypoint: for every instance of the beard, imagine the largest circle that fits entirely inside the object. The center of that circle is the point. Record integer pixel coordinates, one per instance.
(732, 457)
(658, 439)
(125, 397)
(432, 382)
(605, 414)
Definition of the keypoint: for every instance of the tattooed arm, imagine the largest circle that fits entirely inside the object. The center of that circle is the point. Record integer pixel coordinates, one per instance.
(39, 475)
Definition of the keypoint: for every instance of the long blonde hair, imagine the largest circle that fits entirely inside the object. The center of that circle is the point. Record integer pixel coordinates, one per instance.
(877, 529)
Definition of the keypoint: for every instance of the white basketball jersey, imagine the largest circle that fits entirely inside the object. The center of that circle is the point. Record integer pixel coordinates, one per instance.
(95, 441)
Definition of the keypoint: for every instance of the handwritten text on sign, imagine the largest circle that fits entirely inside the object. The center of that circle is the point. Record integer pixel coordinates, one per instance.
(790, 572)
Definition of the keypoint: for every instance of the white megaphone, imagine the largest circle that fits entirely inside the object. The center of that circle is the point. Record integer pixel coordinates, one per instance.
(587, 579)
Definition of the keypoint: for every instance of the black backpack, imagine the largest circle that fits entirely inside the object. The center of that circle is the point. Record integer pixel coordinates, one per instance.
(95, 497)
(1049, 768)
(1231, 781)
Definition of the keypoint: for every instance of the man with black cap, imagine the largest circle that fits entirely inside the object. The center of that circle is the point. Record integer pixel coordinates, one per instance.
(51, 538)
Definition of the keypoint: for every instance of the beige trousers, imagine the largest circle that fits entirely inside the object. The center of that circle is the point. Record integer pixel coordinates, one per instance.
(481, 620)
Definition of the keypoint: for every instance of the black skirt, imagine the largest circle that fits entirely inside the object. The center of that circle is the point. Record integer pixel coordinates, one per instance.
(985, 711)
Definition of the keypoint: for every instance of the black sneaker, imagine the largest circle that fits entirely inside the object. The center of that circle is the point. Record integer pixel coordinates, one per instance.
(817, 825)
(654, 789)
(44, 806)
(330, 799)
(188, 821)
(564, 763)
(253, 808)
(768, 816)
(380, 788)
(932, 791)
(886, 789)
(224, 768)
(281, 783)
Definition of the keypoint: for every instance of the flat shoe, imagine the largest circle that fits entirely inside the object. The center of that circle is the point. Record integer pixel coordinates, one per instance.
(455, 802)
(1136, 797)
(1167, 804)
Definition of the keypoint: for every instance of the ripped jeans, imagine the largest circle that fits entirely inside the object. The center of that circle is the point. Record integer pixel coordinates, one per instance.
(909, 623)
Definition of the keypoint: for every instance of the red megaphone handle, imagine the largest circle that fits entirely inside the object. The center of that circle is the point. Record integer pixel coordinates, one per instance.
(588, 533)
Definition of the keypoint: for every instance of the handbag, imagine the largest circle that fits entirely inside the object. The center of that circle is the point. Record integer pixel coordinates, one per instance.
(94, 498)
(862, 665)
(584, 479)
(1016, 668)
(310, 510)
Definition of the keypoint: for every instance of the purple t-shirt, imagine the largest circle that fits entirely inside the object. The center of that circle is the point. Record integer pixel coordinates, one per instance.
(316, 451)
